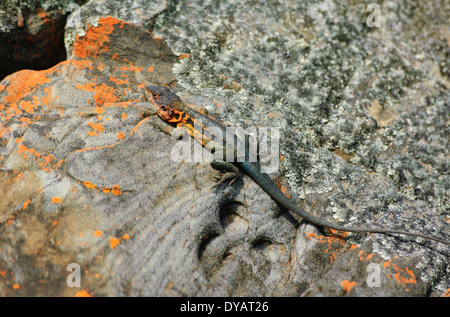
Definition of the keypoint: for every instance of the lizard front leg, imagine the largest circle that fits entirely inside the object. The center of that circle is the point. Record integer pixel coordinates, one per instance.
(163, 126)
(225, 172)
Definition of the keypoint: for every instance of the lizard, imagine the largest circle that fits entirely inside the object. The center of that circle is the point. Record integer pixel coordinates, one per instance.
(176, 114)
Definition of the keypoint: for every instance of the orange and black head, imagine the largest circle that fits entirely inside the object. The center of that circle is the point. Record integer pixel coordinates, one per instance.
(164, 100)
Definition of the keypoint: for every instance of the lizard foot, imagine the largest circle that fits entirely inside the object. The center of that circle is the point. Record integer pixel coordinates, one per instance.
(225, 172)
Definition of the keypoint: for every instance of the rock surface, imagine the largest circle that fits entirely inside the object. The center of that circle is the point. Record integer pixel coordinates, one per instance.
(363, 114)
(32, 34)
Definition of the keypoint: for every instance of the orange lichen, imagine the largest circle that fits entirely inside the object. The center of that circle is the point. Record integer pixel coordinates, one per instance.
(16, 101)
(403, 280)
(18, 176)
(22, 148)
(23, 83)
(43, 15)
(118, 81)
(131, 68)
(98, 233)
(27, 106)
(331, 241)
(403, 277)
(83, 293)
(97, 127)
(347, 285)
(56, 200)
(365, 257)
(25, 204)
(48, 158)
(103, 93)
(89, 185)
(114, 242)
(281, 186)
(96, 40)
(98, 110)
(82, 63)
(116, 190)
(136, 127)
(44, 161)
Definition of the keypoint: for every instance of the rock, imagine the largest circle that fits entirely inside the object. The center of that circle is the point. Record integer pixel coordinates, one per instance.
(31, 37)
(362, 113)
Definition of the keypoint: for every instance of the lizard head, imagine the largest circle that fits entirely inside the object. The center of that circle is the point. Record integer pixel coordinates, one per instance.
(163, 99)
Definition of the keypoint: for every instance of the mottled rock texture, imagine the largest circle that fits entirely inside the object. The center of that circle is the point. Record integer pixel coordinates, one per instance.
(363, 114)
(32, 33)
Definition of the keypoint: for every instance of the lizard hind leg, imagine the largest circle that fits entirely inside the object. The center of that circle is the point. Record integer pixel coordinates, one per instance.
(225, 172)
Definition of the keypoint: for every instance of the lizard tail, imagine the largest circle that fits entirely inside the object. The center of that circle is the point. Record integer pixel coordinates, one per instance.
(266, 183)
